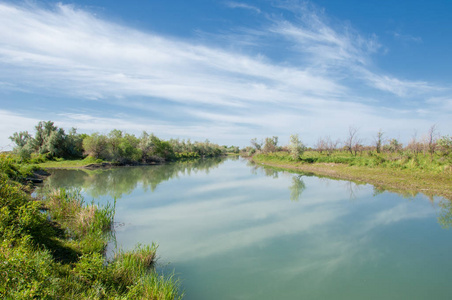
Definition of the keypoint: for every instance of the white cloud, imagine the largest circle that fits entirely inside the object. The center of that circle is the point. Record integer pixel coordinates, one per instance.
(68, 52)
(233, 4)
(406, 37)
(10, 123)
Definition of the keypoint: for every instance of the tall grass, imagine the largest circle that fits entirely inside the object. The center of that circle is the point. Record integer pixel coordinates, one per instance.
(53, 249)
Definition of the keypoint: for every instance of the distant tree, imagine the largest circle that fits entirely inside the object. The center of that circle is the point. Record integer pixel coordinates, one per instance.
(379, 141)
(73, 144)
(320, 145)
(49, 140)
(431, 140)
(414, 145)
(257, 145)
(296, 147)
(352, 142)
(326, 144)
(445, 145)
(271, 144)
(96, 145)
(393, 146)
(146, 145)
(23, 146)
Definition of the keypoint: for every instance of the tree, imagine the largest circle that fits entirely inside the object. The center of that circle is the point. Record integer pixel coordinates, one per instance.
(352, 142)
(146, 145)
(23, 147)
(445, 145)
(73, 144)
(296, 147)
(96, 145)
(257, 145)
(379, 141)
(320, 145)
(393, 146)
(326, 144)
(431, 139)
(20, 138)
(49, 140)
(270, 144)
(415, 146)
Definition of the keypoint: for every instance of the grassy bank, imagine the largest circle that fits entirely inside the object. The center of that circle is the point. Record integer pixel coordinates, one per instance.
(87, 162)
(53, 248)
(403, 174)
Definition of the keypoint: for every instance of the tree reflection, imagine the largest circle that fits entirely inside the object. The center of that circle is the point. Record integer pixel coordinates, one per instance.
(445, 214)
(119, 181)
(297, 188)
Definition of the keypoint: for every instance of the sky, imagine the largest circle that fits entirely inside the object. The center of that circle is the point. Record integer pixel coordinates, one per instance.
(227, 71)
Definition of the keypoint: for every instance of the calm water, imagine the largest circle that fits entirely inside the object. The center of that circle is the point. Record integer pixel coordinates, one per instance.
(232, 230)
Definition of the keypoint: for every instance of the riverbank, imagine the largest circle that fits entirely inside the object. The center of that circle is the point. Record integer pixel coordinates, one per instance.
(407, 181)
(92, 164)
(53, 248)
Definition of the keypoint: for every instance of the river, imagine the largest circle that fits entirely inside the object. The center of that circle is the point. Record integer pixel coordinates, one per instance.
(233, 230)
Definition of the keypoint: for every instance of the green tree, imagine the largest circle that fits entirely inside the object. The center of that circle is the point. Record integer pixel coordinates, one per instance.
(49, 140)
(96, 145)
(445, 145)
(296, 147)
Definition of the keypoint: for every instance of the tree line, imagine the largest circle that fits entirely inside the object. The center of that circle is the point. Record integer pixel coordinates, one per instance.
(430, 144)
(50, 142)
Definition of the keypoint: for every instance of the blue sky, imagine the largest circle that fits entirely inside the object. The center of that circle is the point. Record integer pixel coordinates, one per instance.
(227, 71)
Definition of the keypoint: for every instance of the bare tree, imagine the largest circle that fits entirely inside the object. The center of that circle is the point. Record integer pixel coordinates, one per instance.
(320, 145)
(352, 142)
(331, 145)
(431, 139)
(414, 145)
(326, 144)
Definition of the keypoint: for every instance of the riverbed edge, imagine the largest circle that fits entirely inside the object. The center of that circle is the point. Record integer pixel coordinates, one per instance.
(399, 181)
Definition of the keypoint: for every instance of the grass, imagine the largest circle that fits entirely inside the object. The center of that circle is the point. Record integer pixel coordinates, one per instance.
(54, 248)
(68, 164)
(403, 173)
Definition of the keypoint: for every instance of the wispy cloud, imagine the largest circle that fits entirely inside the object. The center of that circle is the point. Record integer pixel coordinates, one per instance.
(213, 90)
(406, 37)
(233, 4)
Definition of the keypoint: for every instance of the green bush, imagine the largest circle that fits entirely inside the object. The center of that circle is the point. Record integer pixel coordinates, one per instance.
(59, 254)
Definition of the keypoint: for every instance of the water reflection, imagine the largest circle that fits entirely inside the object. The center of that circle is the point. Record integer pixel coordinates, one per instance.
(247, 232)
(297, 188)
(445, 214)
(117, 182)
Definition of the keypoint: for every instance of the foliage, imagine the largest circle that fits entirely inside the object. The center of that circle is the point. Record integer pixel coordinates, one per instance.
(393, 146)
(95, 145)
(58, 254)
(445, 145)
(257, 145)
(52, 143)
(296, 147)
(270, 144)
(48, 140)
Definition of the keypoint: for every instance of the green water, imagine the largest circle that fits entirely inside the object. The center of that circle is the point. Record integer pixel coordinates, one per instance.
(232, 230)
